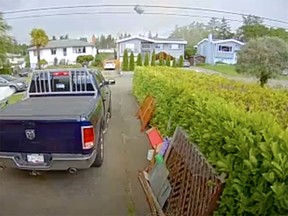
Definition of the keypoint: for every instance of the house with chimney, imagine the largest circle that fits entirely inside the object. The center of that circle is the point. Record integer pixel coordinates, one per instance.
(219, 50)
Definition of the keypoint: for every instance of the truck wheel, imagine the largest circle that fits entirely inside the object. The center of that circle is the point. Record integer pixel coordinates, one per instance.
(100, 151)
(110, 109)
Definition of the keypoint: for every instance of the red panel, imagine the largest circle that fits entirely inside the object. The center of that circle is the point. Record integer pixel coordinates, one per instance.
(154, 137)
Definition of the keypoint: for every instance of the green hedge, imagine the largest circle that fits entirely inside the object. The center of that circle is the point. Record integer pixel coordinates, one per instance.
(251, 148)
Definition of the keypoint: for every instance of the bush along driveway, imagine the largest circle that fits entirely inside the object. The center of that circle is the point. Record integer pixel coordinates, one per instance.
(242, 136)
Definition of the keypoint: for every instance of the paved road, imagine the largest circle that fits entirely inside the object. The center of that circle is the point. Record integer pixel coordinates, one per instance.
(112, 190)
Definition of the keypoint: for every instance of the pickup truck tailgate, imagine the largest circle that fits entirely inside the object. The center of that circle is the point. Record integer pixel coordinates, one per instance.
(40, 136)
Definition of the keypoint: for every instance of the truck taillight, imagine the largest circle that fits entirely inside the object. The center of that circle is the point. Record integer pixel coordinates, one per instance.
(88, 137)
(61, 73)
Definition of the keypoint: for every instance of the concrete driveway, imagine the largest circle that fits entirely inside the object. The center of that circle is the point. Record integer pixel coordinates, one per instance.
(112, 190)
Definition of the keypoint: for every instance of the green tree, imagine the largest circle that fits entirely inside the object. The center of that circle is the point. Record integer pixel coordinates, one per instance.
(264, 58)
(213, 26)
(192, 33)
(84, 59)
(153, 59)
(168, 61)
(174, 64)
(42, 63)
(161, 59)
(146, 61)
(189, 52)
(27, 61)
(39, 39)
(5, 40)
(132, 62)
(139, 60)
(125, 63)
(181, 61)
(252, 28)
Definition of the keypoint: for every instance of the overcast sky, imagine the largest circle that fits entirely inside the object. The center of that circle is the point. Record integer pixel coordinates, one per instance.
(86, 25)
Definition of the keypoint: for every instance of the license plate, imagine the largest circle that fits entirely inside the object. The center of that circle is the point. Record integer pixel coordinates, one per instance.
(35, 158)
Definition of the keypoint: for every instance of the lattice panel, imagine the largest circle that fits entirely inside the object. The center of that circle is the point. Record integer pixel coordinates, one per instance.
(195, 186)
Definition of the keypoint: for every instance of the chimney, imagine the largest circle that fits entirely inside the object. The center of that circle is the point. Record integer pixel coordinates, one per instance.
(93, 40)
(210, 37)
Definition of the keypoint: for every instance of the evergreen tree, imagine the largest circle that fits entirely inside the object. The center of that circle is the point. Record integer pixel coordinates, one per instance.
(146, 62)
(174, 64)
(139, 60)
(125, 63)
(161, 59)
(153, 60)
(132, 62)
(224, 31)
(168, 61)
(181, 61)
(213, 26)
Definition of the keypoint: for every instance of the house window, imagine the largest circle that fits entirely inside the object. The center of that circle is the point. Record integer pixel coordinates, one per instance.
(65, 51)
(159, 46)
(80, 50)
(34, 52)
(130, 47)
(225, 49)
(53, 51)
(146, 46)
(174, 46)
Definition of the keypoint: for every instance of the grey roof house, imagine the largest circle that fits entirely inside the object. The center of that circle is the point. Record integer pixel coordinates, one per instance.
(137, 44)
(66, 50)
(219, 50)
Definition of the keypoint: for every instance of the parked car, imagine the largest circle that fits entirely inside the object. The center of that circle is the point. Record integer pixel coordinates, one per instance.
(186, 63)
(285, 72)
(15, 83)
(60, 125)
(23, 73)
(109, 65)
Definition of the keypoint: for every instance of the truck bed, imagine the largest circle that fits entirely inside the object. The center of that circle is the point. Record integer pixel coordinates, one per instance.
(48, 108)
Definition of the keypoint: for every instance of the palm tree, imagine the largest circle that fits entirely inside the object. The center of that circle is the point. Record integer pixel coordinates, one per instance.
(39, 39)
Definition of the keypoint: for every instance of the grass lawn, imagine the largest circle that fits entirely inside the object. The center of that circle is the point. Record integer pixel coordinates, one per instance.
(222, 68)
(15, 98)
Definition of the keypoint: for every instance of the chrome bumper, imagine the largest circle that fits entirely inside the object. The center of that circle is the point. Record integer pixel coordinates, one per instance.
(52, 161)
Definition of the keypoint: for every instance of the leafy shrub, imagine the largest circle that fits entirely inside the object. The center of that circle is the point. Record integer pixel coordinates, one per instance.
(6, 70)
(84, 59)
(251, 148)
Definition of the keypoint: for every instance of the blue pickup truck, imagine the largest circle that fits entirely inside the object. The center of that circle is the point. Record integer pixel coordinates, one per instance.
(60, 125)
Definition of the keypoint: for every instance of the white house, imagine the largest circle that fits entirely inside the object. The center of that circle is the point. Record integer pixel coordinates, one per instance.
(63, 50)
(15, 60)
(172, 46)
(219, 50)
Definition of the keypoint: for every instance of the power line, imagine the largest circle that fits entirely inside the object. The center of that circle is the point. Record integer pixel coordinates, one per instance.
(130, 5)
(123, 13)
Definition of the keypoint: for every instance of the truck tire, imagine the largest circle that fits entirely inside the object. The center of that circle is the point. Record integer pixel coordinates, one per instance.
(100, 150)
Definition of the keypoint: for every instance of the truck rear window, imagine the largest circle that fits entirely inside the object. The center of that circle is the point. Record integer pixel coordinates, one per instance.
(61, 82)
